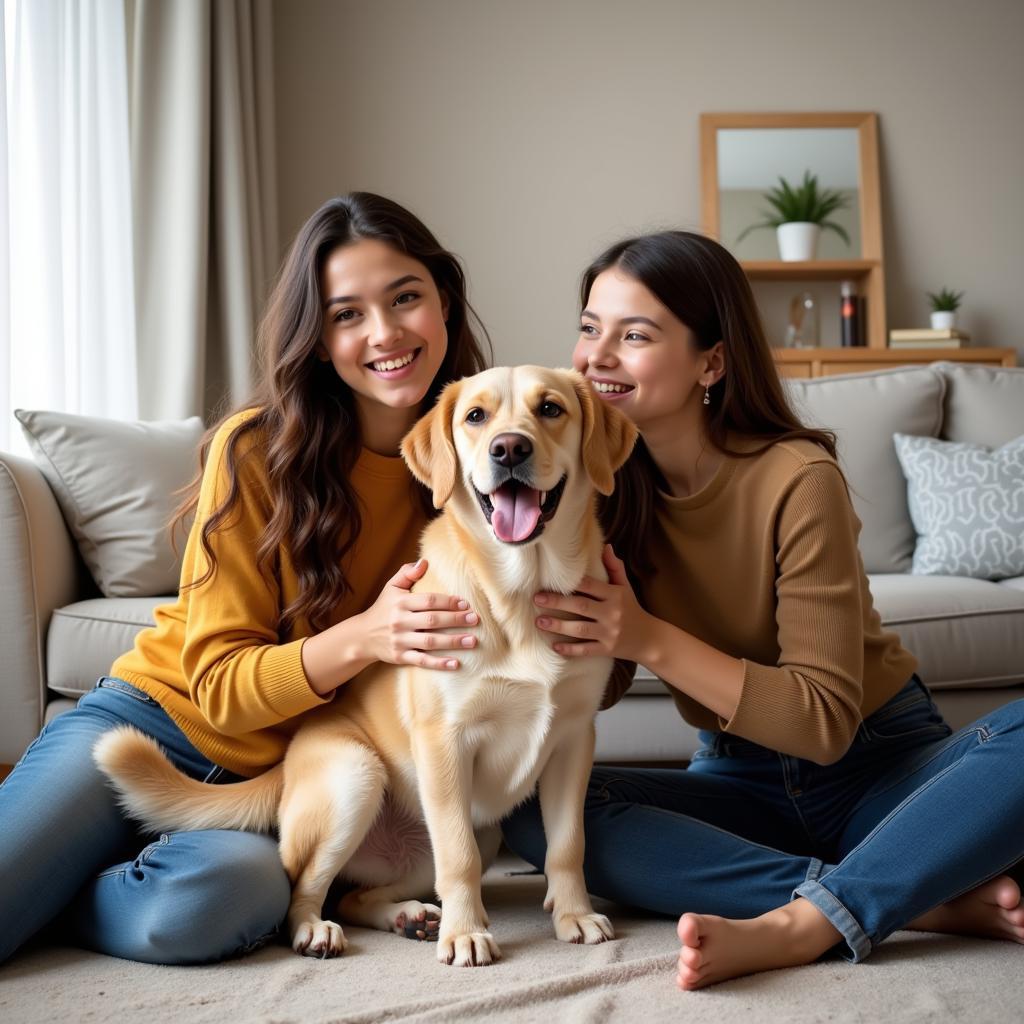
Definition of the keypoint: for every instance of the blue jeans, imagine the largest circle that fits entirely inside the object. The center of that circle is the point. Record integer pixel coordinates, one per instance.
(909, 818)
(70, 857)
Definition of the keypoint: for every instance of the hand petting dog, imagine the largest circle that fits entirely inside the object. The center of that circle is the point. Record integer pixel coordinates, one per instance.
(400, 627)
(609, 622)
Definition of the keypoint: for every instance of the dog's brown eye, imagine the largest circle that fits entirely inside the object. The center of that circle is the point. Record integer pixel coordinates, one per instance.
(476, 415)
(551, 410)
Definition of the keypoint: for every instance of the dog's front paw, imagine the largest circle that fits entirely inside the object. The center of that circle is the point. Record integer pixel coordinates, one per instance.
(583, 928)
(470, 949)
(318, 938)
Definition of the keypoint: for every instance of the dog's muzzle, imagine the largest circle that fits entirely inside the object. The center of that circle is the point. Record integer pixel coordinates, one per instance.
(517, 513)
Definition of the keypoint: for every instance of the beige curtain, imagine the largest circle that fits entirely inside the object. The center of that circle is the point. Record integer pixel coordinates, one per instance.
(204, 197)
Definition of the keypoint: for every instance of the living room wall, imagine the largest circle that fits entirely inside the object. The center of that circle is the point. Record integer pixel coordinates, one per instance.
(529, 135)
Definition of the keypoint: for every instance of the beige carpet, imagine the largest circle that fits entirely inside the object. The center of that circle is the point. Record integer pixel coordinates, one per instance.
(913, 977)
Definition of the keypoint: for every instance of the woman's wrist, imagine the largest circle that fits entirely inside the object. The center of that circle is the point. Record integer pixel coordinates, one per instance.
(708, 675)
(649, 642)
(335, 656)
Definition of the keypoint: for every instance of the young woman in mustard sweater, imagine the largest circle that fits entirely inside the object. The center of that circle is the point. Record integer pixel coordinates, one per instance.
(830, 804)
(293, 581)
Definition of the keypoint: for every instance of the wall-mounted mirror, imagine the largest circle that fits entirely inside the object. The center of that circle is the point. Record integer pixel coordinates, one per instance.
(752, 162)
(743, 158)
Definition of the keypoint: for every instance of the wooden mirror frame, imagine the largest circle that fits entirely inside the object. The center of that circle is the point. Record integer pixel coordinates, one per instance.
(869, 270)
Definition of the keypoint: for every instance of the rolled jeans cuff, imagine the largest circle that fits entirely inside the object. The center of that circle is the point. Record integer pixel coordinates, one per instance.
(858, 945)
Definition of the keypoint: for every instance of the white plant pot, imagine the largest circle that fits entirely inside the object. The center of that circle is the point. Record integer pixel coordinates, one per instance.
(944, 318)
(798, 240)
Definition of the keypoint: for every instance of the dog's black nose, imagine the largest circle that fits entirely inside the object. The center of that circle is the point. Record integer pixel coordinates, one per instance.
(510, 450)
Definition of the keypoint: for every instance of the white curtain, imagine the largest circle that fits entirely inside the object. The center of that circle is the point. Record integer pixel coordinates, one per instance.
(67, 290)
(138, 231)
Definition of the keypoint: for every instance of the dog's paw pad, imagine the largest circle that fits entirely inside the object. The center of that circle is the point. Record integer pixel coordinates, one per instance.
(420, 921)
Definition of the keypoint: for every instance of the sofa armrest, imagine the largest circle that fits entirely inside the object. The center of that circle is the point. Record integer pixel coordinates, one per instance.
(39, 572)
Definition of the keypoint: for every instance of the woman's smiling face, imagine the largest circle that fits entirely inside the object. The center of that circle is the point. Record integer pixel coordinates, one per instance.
(635, 351)
(384, 324)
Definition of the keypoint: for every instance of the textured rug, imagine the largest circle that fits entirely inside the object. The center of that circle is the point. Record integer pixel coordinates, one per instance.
(382, 978)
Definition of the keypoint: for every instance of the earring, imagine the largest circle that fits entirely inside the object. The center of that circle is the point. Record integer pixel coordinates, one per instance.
(707, 397)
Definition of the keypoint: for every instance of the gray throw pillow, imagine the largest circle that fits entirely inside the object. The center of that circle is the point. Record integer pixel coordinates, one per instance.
(967, 505)
(115, 484)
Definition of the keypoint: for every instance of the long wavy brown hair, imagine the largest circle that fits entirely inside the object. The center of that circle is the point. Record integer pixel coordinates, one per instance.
(707, 290)
(304, 414)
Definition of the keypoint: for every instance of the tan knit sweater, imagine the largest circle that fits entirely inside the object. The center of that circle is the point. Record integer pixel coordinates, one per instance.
(762, 563)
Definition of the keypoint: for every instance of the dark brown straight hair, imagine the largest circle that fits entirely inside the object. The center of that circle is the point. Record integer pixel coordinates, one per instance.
(304, 414)
(704, 287)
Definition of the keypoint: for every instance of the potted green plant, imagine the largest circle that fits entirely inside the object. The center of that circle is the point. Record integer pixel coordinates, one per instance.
(944, 306)
(800, 215)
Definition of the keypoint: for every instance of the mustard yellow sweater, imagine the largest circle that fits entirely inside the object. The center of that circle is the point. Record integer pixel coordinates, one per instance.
(214, 659)
(762, 563)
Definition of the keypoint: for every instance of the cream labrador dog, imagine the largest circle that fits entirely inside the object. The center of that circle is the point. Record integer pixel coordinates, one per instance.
(398, 784)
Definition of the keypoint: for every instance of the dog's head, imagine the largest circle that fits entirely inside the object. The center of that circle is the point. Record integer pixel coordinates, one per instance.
(515, 439)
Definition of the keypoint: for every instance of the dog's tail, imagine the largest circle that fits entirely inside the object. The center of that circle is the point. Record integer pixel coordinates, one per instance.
(165, 799)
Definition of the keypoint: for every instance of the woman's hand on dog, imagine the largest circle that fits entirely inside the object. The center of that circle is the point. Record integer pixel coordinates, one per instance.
(606, 617)
(401, 628)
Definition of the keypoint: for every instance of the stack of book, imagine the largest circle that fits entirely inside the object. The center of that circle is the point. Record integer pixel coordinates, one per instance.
(928, 337)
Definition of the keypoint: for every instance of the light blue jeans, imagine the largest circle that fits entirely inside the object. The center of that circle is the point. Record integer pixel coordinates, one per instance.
(69, 857)
(912, 816)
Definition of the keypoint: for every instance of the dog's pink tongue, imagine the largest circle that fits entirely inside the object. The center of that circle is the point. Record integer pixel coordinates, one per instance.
(516, 511)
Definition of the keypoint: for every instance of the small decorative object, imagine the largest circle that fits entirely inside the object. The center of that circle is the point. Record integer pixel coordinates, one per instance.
(802, 329)
(944, 306)
(928, 337)
(801, 214)
(851, 323)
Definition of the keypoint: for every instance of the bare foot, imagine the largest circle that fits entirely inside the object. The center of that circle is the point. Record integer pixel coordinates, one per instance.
(993, 910)
(717, 948)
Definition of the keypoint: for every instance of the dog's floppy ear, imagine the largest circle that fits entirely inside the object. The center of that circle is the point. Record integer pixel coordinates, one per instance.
(429, 448)
(608, 437)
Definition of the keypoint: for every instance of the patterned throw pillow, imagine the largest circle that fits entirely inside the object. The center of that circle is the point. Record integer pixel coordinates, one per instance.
(967, 504)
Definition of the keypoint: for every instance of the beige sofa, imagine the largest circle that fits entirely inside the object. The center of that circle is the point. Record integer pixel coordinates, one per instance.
(59, 631)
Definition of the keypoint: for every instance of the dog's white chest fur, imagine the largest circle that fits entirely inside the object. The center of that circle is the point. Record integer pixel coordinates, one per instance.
(513, 697)
(500, 715)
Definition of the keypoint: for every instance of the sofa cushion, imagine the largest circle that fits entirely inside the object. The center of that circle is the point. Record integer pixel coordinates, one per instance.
(87, 637)
(644, 729)
(115, 483)
(646, 684)
(865, 410)
(967, 505)
(962, 707)
(984, 404)
(964, 632)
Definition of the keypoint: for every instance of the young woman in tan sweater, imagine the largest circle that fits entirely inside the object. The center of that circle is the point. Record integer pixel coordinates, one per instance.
(818, 812)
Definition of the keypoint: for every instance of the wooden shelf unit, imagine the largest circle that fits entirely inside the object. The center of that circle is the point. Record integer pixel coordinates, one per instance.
(814, 270)
(868, 271)
(867, 274)
(824, 362)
